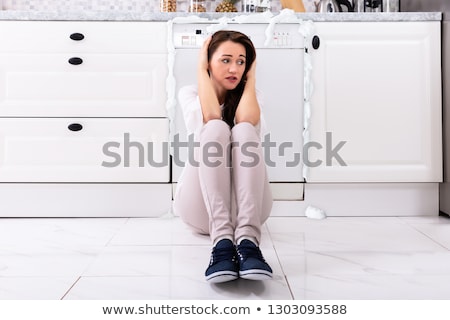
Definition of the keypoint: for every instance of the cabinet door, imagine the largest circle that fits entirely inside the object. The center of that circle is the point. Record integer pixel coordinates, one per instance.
(83, 36)
(103, 85)
(83, 150)
(376, 105)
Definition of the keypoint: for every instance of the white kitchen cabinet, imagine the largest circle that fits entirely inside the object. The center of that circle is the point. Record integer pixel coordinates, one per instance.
(46, 84)
(83, 122)
(97, 36)
(101, 150)
(377, 100)
(115, 70)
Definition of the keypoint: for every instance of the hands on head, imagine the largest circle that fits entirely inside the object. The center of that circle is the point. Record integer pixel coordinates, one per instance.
(203, 55)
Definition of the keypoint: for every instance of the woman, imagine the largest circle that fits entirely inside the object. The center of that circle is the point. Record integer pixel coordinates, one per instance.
(225, 192)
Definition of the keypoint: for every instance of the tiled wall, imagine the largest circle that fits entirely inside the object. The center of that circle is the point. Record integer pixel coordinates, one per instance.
(120, 5)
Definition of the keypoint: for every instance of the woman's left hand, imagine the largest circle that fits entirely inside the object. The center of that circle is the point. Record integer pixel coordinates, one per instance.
(251, 73)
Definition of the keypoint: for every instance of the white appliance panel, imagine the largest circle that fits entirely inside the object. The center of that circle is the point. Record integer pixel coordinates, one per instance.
(279, 78)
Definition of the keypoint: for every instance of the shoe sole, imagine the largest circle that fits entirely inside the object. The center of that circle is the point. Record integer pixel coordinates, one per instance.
(222, 276)
(255, 274)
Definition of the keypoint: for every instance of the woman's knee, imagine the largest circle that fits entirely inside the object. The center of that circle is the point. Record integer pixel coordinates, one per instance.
(215, 128)
(215, 134)
(245, 131)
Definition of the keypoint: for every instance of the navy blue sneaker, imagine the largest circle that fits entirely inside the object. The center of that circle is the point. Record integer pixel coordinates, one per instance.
(223, 265)
(252, 265)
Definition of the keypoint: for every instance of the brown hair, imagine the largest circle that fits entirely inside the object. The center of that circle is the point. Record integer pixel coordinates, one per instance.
(233, 97)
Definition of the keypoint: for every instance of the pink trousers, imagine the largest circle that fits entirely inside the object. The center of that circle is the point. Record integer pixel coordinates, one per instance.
(225, 193)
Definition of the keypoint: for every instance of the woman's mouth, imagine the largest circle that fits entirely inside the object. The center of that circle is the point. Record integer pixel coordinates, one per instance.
(232, 79)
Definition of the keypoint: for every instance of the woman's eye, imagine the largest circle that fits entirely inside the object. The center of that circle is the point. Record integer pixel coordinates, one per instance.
(239, 62)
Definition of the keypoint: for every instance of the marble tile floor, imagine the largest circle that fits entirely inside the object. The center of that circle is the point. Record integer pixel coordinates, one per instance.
(160, 258)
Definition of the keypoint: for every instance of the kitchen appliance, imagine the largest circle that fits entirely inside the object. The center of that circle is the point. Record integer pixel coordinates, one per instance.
(279, 78)
(334, 6)
(376, 5)
(444, 7)
(373, 6)
(251, 6)
(391, 5)
(358, 5)
(328, 6)
(349, 5)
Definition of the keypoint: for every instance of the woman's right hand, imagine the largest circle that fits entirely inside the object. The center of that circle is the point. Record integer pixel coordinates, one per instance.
(203, 63)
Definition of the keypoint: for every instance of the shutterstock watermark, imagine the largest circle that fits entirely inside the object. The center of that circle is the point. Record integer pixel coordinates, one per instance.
(213, 154)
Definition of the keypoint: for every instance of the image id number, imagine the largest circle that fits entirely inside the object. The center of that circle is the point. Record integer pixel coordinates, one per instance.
(307, 309)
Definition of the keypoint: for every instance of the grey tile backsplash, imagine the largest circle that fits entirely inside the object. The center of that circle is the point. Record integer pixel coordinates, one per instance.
(118, 5)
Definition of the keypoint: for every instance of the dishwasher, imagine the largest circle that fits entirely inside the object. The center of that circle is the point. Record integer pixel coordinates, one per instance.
(279, 76)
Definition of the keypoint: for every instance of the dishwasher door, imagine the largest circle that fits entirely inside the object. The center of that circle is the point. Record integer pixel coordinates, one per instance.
(279, 77)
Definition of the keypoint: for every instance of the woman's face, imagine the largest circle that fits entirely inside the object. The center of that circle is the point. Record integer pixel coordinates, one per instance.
(227, 66)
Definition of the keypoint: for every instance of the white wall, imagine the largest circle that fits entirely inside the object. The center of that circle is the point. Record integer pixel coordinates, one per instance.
(122, 5)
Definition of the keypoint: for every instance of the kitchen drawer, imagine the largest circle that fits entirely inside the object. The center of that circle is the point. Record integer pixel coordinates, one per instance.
(99, 36)
(103, 85)
(83, 150)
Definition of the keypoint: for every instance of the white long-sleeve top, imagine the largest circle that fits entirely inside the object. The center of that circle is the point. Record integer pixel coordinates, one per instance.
(192, 110)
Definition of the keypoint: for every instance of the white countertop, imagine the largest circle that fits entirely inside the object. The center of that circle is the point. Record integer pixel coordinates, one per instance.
(156, 16)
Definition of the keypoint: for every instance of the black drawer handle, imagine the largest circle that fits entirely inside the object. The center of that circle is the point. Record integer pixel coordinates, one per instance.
(75, 61)
(316, 42)
(77, 36)
(75, 127)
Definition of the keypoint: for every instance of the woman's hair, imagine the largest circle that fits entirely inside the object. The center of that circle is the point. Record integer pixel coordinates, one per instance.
(233, 97)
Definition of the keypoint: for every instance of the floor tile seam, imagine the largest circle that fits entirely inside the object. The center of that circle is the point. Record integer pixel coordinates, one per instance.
(348, 249)
(334, 223)
(131, 276)
(376, 252)
(290, 286)
(158, 245)
(38, 277)
(128, 275)
(413, 220)
(93, 260)
(70, 288)
(291, 291)
(126, 221)
(374, 274)
(377, 271)
(81, 268)
(360, 280)
(344, 276)
(412, 227)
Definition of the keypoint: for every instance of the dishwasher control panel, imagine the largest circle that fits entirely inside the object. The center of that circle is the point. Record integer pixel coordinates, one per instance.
(189, 40)
(282, 35)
